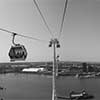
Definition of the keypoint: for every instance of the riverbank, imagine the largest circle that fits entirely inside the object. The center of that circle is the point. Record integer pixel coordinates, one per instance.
(45, 68)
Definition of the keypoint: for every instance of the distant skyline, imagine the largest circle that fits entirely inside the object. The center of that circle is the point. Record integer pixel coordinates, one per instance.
(80, 39)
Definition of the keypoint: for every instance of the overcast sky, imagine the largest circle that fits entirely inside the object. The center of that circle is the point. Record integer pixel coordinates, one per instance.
(80, 38)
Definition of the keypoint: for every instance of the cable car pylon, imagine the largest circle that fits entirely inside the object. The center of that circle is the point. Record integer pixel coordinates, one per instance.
(55, 44)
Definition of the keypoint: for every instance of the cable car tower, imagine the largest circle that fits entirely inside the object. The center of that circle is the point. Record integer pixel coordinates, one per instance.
(55, 44)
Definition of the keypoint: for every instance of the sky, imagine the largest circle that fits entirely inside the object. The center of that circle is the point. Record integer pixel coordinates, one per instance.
(80, 38)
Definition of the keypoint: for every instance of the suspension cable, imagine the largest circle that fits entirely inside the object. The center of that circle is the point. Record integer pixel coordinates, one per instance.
(42, 17)
(22, 35)
(61, 27)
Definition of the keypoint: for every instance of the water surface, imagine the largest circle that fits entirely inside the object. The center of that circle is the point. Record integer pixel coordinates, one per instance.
(36, 87)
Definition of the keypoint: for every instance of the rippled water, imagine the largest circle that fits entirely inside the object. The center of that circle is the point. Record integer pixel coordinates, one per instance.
(36, 87)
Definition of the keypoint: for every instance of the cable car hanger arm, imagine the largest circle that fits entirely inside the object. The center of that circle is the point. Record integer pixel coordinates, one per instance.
(14, 34)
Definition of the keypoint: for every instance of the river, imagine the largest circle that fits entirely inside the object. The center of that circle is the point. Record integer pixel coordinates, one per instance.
(39, 87)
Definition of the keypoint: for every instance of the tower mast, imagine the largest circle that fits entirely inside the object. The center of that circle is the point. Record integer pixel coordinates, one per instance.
(54, 43)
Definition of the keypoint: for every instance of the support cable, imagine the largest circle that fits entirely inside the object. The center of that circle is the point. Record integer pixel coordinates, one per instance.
(42, 17)
(62, 22)
(22, 35)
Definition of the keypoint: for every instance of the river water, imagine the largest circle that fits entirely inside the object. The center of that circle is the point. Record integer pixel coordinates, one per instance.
(39, 87)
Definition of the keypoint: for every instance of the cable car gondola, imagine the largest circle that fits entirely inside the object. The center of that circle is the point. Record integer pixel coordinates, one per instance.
(17, 51)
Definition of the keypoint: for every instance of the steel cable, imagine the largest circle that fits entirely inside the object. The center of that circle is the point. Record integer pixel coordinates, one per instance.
(29, 37)
(42, 17)
(62, 22)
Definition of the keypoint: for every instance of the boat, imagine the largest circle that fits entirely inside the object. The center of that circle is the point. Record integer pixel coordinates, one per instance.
(80, 95)
(83, 95)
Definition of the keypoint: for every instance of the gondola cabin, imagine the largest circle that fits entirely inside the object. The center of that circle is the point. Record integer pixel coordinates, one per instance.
(17, 52)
